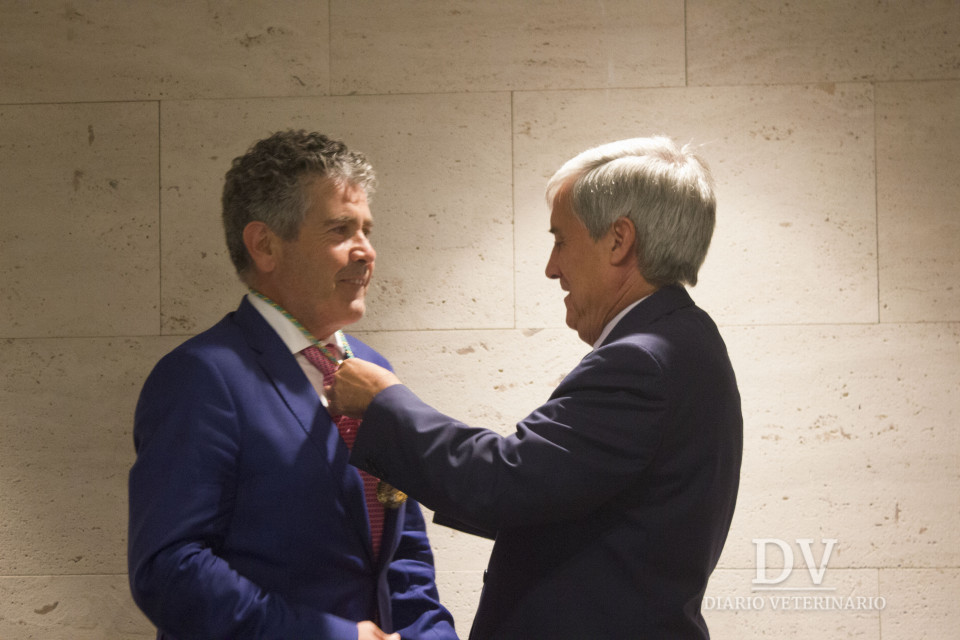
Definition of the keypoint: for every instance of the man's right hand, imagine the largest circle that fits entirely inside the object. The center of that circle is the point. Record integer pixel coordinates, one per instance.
(356, 384)
(367, 630)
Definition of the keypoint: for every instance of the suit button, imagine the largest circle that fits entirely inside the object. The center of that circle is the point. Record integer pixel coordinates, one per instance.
(484, 576)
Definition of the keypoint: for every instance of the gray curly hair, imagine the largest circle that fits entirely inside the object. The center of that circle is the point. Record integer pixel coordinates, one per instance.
(267, 184)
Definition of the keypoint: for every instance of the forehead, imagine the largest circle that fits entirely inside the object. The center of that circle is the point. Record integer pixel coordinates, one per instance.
(328, 199)
(562, 217)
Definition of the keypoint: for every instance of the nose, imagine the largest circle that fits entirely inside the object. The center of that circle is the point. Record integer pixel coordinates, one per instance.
(552, 271)
(363, 250)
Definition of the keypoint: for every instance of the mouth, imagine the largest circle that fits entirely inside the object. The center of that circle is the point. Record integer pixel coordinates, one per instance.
(356, 279)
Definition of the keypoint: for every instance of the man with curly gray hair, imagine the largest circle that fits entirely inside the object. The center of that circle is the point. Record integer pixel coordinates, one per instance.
(246, 520)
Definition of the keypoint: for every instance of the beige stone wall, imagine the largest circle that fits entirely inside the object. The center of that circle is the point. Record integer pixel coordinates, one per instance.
(833, 129)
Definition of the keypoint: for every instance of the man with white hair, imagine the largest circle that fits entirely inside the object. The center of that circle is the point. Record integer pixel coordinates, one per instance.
(612, 501)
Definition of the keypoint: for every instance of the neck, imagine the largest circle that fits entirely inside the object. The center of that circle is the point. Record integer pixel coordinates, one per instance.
(637, 288)
(317, 337)
(633, 288)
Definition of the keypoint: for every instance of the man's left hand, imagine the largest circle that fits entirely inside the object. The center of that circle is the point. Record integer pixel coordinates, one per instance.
(355, 385)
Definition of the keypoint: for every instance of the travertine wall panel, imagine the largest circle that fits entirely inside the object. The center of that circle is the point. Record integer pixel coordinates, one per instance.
(442, 210)
(88, 607)
(459, 593)
(65, 430)
(918, 188)
(761, 42)
(490, 379)
(91, 51)
(78, 228)
(832, 130)
(857, 443)
(921, 603)
(796, 228)
(425, 46)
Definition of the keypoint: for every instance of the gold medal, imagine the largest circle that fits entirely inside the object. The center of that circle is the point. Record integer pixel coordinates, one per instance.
(390, 497)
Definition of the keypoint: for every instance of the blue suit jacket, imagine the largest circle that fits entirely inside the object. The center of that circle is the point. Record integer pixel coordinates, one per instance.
(246, 520)
(610, 503)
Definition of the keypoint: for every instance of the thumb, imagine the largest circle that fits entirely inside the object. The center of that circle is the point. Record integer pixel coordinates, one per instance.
(327, 397)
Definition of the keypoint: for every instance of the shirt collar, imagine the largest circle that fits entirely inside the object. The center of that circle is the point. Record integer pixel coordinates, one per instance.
(616, 319)
(291, 335)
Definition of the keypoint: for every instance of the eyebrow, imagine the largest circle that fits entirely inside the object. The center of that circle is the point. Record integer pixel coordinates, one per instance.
(333, 222)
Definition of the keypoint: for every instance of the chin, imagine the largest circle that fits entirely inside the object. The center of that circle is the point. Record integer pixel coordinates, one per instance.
(583, 332)
(355, 312)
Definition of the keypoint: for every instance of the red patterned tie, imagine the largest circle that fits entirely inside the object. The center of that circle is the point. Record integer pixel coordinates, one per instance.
(348, 431)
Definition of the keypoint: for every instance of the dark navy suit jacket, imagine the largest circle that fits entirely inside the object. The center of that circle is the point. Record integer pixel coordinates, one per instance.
(246, 520)
(611, 502)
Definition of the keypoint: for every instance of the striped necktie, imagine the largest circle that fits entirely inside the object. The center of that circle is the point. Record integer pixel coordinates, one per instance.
(347, 427)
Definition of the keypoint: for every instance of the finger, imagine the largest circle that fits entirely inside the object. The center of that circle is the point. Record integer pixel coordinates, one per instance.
(326, 397)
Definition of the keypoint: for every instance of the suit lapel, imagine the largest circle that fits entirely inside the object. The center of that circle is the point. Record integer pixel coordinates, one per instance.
(283, 371)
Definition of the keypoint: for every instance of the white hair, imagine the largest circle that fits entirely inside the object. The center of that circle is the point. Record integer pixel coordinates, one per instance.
(666, 191)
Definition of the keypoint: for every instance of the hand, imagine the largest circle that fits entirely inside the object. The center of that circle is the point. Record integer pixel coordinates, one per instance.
(355, 385)
(366, 630)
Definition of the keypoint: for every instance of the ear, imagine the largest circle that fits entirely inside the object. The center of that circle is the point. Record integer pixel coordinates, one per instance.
(623, 240)
(263, 245)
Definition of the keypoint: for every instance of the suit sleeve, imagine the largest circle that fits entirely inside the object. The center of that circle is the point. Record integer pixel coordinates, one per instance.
(417, 612)
(181, 492)
(597, 432)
